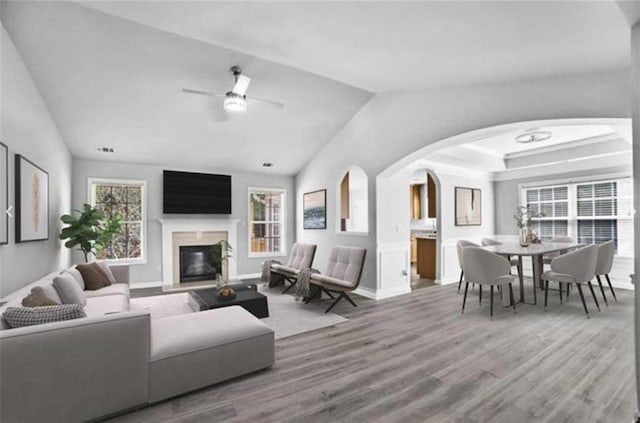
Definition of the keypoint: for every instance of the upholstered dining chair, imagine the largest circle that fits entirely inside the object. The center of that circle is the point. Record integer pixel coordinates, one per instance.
(546, 259)
(301, 257)
(512, 260)
(606, 252)
(577, 267)
(462, 244)
(342, 275)
(486, 268)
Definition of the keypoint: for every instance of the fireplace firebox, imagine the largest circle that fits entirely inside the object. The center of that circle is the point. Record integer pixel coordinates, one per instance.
(200, 262)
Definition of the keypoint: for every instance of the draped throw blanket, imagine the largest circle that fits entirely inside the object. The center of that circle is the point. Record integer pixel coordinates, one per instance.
(303, 289)
(266, 271)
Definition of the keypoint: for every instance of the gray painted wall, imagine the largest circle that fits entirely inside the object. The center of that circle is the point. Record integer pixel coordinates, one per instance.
(152, 270)
(393, 125)
(28, 129)
(507, 194)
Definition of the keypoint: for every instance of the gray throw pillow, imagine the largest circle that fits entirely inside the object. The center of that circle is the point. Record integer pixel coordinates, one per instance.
(107, 271)
(28, 316)
(77, 276)
(68, 289)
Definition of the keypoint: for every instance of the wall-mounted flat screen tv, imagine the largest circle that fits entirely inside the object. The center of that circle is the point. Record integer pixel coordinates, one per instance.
(197, 193)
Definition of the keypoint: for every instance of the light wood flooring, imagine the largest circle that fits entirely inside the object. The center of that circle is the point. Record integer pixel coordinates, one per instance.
(415, 358)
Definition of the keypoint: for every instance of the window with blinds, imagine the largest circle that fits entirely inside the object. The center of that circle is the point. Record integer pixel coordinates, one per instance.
(590, 212)
(553, 203)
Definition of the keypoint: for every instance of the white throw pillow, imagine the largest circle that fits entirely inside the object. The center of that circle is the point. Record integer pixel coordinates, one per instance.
(77, 276)
(68, 289)
(48, 291)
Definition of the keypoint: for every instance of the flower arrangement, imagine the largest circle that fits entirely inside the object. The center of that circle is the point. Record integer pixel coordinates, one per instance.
(524, 220)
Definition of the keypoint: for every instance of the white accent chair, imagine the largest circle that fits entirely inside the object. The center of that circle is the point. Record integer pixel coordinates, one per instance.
(577, 267)
(301, 257)
(606, 252)
(486, 268)
(342, 275)
(462, 244)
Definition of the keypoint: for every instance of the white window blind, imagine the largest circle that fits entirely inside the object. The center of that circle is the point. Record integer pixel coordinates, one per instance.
(590, 212)
(553, 202)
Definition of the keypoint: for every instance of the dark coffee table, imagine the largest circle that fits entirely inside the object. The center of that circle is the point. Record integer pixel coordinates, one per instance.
(247, 296)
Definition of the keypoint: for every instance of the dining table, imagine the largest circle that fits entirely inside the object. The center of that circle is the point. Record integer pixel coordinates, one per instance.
(536, 251)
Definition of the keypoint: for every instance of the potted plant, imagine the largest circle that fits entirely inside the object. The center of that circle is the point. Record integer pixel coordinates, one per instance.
(524, 220)
(89, 229)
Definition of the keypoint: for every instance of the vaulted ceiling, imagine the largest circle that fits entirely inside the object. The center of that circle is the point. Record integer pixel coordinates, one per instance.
(111, 73)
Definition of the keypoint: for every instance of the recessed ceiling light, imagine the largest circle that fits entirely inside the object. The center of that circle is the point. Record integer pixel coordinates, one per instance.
(538, 136)
(267, 164)
(104, 149)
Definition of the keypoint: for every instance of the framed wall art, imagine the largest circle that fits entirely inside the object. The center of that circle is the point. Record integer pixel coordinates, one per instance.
(32, 201)
(468, 206)
(314, 206)
(4, 194)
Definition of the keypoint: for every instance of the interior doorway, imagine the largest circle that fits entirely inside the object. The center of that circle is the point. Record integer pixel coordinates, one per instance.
(423, 211)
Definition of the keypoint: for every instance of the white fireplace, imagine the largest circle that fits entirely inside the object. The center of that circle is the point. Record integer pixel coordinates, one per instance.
(177, 232)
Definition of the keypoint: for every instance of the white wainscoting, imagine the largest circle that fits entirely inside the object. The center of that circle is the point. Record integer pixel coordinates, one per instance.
(393, 273)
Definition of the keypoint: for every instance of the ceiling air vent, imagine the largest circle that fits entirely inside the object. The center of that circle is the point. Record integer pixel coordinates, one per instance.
(102, 149)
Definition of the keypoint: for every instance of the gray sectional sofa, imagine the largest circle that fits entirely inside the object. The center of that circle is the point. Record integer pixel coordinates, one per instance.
(115, 359)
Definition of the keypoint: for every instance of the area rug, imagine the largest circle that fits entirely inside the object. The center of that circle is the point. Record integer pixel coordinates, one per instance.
(287, 317)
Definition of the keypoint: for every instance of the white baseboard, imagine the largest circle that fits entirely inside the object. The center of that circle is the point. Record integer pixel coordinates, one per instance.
(381, 294)
(140, 285)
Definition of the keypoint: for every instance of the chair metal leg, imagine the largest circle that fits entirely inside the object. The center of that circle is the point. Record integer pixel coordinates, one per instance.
(602, 290)
(334, 303)
(513, 301)
(480, 294)
(593, 294)
(291, 284)
(582, 298)
(491, 303)
(611, 287)
(568, 286)
(464, 299)
(460, 281)
(348, 298)
(328, 293)
(546, 293)
(560, 291)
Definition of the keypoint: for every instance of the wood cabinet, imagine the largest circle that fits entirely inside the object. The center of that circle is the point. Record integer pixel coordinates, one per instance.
(426, 258)
(415, 193)
(431, 197)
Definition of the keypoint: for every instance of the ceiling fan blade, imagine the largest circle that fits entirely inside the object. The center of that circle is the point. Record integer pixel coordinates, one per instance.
(242, 83)
(269, 103)
(205, 93)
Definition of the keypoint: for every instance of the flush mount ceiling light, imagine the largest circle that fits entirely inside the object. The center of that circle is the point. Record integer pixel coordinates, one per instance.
(235, 103)
(536, 136)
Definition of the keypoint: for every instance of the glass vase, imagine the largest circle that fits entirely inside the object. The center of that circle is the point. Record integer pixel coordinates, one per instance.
(524, 237)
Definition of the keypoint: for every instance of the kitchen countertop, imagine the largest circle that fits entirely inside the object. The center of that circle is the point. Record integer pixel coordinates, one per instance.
(424, 235)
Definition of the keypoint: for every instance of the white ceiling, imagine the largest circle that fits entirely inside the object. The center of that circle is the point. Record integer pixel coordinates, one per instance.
(113, 82)
(401, 46)
(111, 72)
(568, 143)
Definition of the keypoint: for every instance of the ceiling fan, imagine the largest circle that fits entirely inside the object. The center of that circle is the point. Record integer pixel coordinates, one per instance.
(235, 101)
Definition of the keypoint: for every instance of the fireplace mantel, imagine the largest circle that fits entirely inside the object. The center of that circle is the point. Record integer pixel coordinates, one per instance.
(171, 225)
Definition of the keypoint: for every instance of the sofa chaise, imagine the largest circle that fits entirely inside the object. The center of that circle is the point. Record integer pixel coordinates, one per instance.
(115, 359)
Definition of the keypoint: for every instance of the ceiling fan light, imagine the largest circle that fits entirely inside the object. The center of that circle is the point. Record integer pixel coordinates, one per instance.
(234, 103)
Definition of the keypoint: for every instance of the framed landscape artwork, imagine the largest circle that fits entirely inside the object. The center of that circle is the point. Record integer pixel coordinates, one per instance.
(468, 206)
(4, 194)
(314, 206)
(32, 201)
